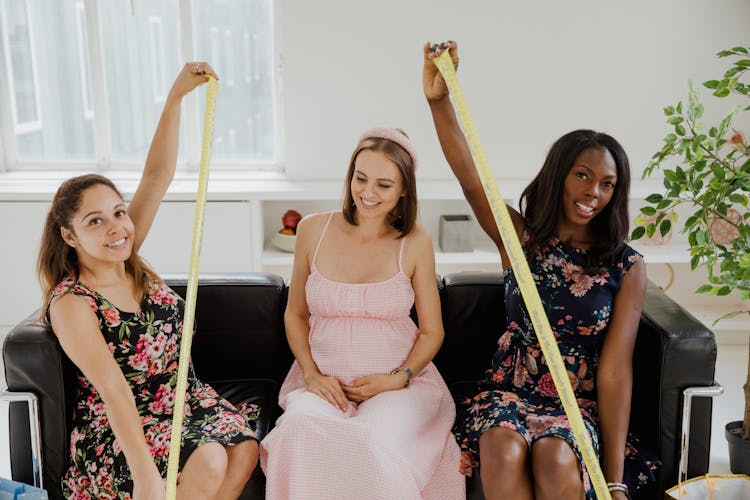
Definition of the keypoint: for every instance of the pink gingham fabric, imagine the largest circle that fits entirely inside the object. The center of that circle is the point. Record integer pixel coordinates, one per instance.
(398, 444)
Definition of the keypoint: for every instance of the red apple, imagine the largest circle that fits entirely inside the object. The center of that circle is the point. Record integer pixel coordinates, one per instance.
(290, 219)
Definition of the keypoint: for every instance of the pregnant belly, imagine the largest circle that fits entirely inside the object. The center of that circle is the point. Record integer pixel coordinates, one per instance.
(348, 349)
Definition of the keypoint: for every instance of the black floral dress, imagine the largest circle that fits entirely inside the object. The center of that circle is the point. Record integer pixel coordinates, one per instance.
(518, 392)
(146, 346)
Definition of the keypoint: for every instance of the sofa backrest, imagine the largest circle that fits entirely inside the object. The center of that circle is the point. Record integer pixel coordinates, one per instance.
(239, 323)
(240, 335)
(473, 318)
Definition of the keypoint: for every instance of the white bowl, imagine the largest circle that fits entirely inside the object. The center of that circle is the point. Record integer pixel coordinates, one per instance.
(284, 242)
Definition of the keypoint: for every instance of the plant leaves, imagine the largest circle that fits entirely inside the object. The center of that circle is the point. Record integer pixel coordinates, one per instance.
(665, 226)
(710, 84)
(694, 261)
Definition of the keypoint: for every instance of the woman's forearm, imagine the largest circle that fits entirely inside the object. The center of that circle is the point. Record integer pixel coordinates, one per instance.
(161, 160)
(453, 142)
(127, 427)
(423, 352)
(297, 334)
(614, 397)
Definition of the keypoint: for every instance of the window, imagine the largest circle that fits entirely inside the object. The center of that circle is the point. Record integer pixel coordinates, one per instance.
(99, 71)
(83, 61)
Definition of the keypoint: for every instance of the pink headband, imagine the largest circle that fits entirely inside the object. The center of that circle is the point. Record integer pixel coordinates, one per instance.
(395, 136)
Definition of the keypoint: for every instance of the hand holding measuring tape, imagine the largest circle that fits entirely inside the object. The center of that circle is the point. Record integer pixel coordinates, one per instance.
(437, 89)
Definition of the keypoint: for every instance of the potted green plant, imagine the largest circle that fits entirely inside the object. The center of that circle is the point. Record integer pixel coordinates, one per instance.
(707, 167)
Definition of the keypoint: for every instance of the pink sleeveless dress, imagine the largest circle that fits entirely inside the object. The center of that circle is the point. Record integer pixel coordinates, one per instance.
(396, 445)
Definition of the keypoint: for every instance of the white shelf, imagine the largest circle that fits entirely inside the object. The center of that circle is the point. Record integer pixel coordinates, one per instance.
(477, 256)
(272, 256)
(482, 256)
(673, 253)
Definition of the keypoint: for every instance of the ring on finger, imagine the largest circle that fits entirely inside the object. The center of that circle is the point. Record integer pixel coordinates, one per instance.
(197, 67)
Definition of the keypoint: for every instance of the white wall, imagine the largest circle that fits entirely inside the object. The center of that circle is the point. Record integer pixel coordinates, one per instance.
(531, 71)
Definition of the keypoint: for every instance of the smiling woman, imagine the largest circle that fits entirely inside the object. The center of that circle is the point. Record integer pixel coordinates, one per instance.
(121, 326)
(366, 413)
(573, 224)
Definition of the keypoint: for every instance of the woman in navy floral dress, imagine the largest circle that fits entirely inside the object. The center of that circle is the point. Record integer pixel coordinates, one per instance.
(573, 223)
(121, 326)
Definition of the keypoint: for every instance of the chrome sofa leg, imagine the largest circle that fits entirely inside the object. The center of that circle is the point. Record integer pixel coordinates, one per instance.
(35, 430)
(687, 403)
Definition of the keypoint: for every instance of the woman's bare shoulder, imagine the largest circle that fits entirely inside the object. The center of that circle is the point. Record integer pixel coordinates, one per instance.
(420, 237)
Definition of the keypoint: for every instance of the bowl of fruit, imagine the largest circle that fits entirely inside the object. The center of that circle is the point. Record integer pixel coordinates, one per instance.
(284, 239)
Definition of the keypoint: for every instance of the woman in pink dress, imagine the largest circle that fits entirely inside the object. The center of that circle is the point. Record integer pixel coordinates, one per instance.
(366, 413)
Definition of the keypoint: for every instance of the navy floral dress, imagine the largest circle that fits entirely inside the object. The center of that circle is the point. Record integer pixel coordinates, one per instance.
(518, 392)
(146, 346)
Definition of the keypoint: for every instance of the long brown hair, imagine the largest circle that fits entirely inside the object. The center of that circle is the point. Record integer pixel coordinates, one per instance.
(57, 260)
(403, 217)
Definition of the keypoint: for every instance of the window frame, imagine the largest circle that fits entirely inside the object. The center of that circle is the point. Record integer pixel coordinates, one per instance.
(27, 127)
(83, 60)
(191, 123)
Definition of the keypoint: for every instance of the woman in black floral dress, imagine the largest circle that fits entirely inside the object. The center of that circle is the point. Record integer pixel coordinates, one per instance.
(573, 225)
(121, 326)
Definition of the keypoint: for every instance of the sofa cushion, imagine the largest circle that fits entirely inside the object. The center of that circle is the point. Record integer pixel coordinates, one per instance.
(255, 399)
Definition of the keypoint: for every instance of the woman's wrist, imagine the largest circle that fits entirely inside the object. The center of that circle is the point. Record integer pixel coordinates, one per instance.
(439, 101)
(173, 100)
(310, 372)
(146, 468)
(617, 486)
(402, 377)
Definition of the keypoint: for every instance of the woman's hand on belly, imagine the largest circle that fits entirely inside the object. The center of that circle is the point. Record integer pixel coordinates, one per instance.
(327, 388)
(364, 388)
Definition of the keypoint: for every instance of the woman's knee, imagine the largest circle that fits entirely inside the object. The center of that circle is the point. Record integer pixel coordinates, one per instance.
(554, 462)
(501, 447)
(242, 457)
(210, 461)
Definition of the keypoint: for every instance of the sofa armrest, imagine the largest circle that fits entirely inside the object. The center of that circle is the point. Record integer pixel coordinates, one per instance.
(34, 362)
(673, 351)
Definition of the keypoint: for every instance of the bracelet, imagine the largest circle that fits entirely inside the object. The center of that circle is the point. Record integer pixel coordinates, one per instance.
(406, 370)
(612, 487)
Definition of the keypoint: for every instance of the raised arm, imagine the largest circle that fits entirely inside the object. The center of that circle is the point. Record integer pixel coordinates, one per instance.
(161, 161)
(77, 329)
(297, 316)
(455, 148)
(615, 376)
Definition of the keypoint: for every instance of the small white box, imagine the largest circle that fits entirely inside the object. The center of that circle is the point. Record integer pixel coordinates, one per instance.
(455, 233)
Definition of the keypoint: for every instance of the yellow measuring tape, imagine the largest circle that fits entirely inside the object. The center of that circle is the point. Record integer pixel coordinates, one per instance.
(525, 279)
(192, 291)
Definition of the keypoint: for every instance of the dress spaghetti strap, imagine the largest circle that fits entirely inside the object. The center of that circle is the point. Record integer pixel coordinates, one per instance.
(400, 254)
(320, 239)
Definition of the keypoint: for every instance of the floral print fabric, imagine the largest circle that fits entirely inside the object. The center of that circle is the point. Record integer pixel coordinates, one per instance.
(146, 346)
(518, 392)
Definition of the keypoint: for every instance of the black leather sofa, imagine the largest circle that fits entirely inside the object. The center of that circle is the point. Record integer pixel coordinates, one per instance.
(241, 349)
